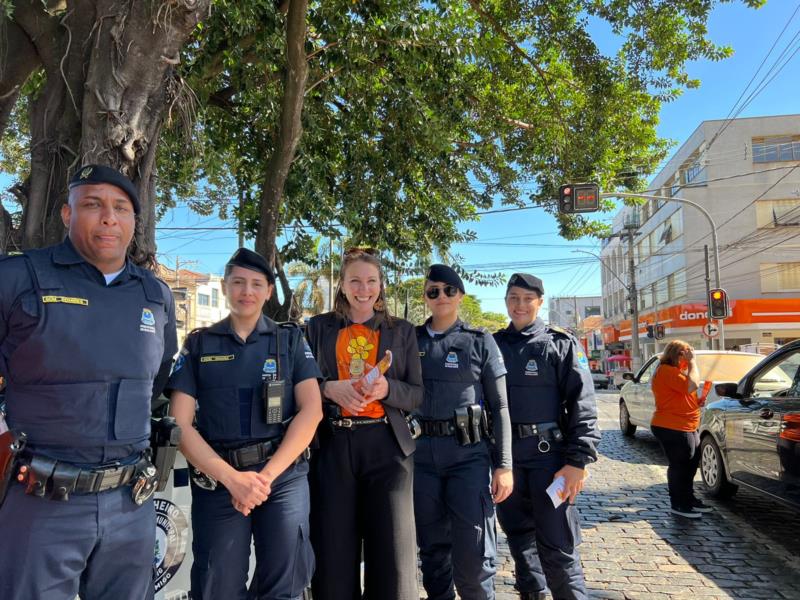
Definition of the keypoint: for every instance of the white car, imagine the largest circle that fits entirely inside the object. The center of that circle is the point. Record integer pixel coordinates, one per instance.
(636, 402)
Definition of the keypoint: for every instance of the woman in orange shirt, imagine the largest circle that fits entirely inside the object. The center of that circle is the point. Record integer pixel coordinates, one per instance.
(675, 423)
(362, 474)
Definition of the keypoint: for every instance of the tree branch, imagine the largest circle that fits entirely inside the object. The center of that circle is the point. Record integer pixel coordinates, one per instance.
(17, 63)
(518, 51)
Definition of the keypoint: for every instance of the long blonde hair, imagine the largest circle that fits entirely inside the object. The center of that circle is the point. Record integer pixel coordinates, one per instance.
(672, 353)
(340, 304)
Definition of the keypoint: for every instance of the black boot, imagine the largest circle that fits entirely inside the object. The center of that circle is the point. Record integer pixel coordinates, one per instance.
(532, 596)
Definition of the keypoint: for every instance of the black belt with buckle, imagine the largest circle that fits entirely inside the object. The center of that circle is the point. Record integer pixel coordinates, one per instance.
(546, 432)
(438, 428)
(250, 455)
(54, 479)
(352, 423)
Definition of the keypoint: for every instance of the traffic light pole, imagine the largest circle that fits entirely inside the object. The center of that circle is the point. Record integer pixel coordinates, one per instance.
(713, 240)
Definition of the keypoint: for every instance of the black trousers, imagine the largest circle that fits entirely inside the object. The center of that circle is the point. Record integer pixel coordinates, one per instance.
(361, 497)
(683, 453)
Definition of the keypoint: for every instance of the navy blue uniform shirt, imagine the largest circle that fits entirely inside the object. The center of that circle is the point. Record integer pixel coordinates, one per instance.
(226, 374)
(82, 358)
(549, 380)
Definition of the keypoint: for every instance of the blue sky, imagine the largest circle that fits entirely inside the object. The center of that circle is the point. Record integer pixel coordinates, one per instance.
(503, 236)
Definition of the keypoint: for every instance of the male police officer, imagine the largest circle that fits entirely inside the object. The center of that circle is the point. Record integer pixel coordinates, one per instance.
(553, 422)
(84, 337)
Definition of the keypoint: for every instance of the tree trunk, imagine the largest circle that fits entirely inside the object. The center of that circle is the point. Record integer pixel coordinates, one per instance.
(289, 132)
(110, 79)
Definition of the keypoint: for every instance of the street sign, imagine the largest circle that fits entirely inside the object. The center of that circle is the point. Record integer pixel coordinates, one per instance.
(710, 330)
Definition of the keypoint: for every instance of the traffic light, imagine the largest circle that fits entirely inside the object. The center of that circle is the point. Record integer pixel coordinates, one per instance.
(718, 307)
(579, 198)
(650, 331)
(660, 332)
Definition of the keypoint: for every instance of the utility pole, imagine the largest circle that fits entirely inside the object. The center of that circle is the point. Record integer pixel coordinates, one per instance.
(575, 304)
(708, 293)
(636, 353)
(655, 323)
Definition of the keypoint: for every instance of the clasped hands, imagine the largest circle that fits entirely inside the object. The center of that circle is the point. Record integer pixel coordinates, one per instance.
(343, 393)
(248, 489)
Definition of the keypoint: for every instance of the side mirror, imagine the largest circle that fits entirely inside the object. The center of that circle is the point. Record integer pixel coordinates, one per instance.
(628, 376)
(727, 390)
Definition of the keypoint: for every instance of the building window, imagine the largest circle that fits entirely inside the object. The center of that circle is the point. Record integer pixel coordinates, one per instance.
(676, 282)
(214, 297)
(662, 291)
(775, 149)
(694, 174)
(778, 213)
(789, 277)
(203, 299)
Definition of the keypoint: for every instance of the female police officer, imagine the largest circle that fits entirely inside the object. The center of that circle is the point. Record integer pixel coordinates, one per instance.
(244, 378)
(463, 373)
(554, 425)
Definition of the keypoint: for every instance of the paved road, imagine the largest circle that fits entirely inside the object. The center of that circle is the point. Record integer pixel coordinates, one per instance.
(633, 548)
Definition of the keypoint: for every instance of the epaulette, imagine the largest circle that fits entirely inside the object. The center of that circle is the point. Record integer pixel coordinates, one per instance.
(196, 330)
(471, 329)
(557, 329)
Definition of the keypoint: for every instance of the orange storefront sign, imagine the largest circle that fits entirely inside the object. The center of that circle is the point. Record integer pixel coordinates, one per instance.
(744, 312)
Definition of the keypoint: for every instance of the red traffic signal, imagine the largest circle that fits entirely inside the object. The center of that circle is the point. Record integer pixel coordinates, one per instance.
(579, 198)
(718, 306)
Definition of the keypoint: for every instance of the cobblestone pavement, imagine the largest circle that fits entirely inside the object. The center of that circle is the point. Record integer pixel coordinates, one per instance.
(749, 547)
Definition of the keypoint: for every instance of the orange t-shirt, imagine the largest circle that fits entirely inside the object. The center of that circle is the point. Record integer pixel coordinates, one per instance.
(676, 408)
(356, 353)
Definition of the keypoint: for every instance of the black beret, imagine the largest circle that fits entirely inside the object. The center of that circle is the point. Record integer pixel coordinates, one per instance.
(529, 282)
(95, 174)
(248, 259)
(445, 274)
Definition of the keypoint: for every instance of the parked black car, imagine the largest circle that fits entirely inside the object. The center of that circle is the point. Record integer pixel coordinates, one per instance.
(751, 435)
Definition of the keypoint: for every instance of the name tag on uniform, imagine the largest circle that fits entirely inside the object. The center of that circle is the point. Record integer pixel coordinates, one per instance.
(216, 358)
(65, 300)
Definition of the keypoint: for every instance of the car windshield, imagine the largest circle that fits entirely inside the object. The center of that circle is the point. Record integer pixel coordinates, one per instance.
(725, 367)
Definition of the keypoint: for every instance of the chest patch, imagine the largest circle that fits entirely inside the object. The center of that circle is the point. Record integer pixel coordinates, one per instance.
(216, 358)
(532, 369)
(270, 370)
(451, 360)
(65, 300)
(148, 321)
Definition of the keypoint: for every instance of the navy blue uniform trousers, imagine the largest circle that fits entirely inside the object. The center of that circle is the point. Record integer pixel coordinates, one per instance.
(96, 545)
(455, 519)
(543, 540)
(280, 533)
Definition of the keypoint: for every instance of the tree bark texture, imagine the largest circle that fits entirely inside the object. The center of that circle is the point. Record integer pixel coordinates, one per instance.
(289, 132)
(109, 67)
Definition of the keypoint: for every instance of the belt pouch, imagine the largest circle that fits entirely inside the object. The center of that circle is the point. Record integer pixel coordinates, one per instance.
(65, 477)
(462, 426)
(39, 473)
(475, 411)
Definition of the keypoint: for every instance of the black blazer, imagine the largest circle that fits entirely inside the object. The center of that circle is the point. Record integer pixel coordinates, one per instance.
(404, 376)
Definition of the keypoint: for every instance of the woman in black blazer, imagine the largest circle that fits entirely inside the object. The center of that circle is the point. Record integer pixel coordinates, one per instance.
(362, 474)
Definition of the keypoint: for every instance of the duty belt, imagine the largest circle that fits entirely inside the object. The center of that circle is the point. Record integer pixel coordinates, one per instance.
(546, 432)
(250, 455)
(46, 477)
(348, 423)
(436, 428)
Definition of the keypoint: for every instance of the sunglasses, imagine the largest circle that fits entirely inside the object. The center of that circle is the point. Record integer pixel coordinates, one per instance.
(449, 291)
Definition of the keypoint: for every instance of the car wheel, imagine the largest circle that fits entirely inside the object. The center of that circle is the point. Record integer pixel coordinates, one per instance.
(712, 470)
(625, 425)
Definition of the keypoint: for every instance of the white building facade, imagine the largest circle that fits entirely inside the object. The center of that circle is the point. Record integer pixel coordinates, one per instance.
(746, 174)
